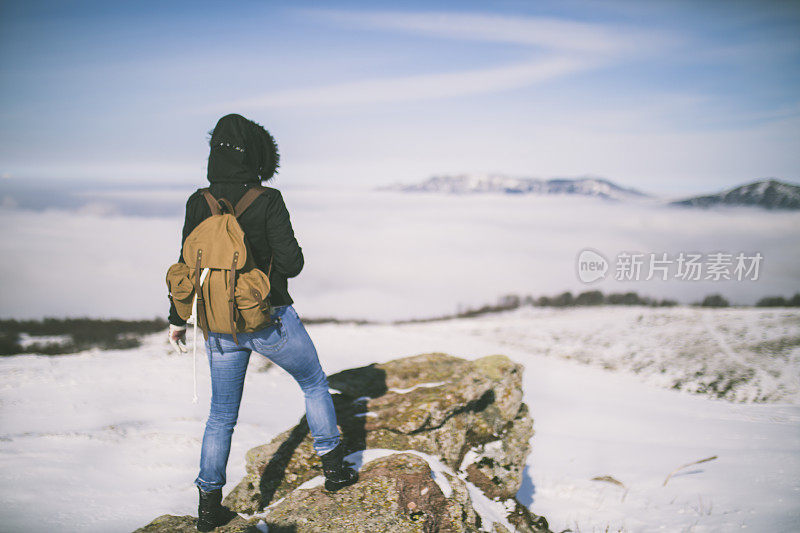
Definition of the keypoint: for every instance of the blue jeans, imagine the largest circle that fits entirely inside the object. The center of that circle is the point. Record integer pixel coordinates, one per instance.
(288, 345)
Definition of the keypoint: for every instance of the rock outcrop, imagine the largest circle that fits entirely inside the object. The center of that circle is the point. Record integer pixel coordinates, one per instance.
(188, 524)
(440, 442)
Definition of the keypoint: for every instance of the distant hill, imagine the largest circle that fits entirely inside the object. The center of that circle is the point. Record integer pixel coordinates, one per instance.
(769, 194)
(499, 183)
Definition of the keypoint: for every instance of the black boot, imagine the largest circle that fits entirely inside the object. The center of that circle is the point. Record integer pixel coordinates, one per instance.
(338, 474)
(210, 511)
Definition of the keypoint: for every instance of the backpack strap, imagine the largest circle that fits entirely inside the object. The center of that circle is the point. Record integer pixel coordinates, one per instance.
(224, 202)
(217, 206)
(201, 318)
(216, 209)
(247, 199)
(231, 296)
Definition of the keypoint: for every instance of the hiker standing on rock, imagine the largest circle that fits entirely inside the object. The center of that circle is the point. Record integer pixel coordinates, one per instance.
(243, 154)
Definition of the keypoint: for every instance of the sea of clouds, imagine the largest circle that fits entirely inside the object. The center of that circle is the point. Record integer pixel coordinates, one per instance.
(379, 255)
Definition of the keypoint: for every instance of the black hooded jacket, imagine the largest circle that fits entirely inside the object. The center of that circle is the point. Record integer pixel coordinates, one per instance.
(243, 154)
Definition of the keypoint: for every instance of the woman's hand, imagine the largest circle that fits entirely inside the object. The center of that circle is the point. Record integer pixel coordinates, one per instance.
(177, 338)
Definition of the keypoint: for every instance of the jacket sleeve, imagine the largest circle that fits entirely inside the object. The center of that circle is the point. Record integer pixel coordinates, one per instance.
(287, 254)
(193, 218)
(174, 317)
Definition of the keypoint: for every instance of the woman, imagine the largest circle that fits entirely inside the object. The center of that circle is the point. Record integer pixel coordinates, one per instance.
(243, 154)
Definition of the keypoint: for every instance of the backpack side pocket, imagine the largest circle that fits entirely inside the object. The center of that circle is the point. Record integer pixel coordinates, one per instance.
(252, 288)
(181, 288)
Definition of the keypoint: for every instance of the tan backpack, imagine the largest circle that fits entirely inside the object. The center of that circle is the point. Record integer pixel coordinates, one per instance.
(233, 292)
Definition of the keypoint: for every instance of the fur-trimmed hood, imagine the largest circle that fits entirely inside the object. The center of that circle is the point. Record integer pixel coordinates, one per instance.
(242, 151)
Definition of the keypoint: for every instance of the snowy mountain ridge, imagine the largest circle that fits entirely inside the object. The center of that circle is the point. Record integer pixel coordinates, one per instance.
(501, 183)
(769, 194)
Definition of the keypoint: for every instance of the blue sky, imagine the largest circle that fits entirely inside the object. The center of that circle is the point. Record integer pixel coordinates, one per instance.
(670, 97)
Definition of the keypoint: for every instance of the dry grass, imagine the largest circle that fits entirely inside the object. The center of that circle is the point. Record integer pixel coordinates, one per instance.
(707, 459)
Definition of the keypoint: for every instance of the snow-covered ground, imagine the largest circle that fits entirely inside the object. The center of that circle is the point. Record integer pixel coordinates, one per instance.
(744, 355)
(107, 440)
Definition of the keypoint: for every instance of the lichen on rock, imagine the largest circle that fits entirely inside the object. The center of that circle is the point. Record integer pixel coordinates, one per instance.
(188, 524)
(394, 494)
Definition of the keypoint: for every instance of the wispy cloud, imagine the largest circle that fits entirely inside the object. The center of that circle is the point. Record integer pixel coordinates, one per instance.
(562, 47)
(554, 34)
(417, 87)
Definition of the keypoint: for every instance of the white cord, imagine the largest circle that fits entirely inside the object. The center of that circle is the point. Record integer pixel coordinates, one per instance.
(194, 342)
(194, 362)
